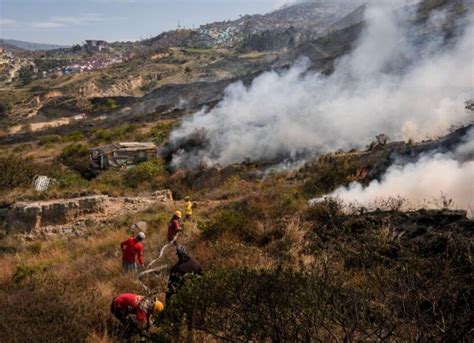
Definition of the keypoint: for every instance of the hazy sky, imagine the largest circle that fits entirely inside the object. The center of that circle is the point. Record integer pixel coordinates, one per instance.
(73, 21)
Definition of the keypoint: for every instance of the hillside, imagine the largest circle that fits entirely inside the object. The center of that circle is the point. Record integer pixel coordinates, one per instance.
(305, 18)
(326, 148)
(29, 45)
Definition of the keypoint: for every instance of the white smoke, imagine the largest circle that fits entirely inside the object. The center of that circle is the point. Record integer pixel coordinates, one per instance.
(465, 151)
(388, 83)
(421, 184)
(429, 182)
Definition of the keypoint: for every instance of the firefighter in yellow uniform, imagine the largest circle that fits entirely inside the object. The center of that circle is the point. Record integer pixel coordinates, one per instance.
(188, 208)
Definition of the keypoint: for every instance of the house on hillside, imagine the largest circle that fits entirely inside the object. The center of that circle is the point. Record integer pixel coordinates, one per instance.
(121, 155)
(96, 45)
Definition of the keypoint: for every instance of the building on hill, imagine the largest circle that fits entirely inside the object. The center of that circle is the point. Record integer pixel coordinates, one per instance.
(121, 155)
(96, 45)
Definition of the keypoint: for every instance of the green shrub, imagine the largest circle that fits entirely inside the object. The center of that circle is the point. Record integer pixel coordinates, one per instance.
(23, 272)
(73, 137)
(111, 104)
(76, 157)
(110, 178)
(49, 139)
(125, 129)
(243, 304)
(329, 173)
(144, 172)
(103, 135)
(66, 178)
(16, 171)
(109, 135)
(230, 221)
(160, 132)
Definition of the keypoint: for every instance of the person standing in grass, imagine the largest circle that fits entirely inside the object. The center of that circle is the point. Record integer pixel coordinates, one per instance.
(174, 226)
(188, 208)
(132, 253)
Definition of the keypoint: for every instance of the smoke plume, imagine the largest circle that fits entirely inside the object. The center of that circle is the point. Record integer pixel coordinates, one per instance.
(425, 183)
(391, 82)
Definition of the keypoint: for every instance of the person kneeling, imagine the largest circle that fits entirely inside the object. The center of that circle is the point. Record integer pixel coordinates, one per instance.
(135, 312)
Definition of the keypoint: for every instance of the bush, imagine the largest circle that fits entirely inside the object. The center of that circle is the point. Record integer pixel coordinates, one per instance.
(110, 178)
(426, 299)
(73, 137)
(160, 132)
(49, 139)
(76, 157)
(144, 172)
(108, 135)
(329, 173)
(103, 135)
(270, 305)
(111, 104)
(229, 221)
(65, 178)
(16, 171)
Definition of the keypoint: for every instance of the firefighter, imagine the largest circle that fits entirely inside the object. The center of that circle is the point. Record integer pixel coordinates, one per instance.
(175, 225)
(188, 208)
(135, 312)
(132, 253)
(185, 266)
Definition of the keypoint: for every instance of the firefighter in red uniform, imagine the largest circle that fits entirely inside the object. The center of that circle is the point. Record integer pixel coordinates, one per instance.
(135, 312)
(132, 250)
(174, 225)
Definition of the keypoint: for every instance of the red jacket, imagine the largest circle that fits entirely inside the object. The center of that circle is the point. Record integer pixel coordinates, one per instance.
(173, 229)
(132, 304)
(131, 248)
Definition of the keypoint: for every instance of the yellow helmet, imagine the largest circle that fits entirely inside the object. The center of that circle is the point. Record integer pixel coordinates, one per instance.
(158, 307)
(186, 198)
(178, 214)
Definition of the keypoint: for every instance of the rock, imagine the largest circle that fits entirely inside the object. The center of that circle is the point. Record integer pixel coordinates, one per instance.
(163, 195)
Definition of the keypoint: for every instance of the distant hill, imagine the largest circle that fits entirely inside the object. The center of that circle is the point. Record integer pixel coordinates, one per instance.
(275, 30)
(29, 45)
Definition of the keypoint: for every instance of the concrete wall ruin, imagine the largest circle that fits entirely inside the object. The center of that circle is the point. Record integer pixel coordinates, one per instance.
(31, 216)
(64, 216)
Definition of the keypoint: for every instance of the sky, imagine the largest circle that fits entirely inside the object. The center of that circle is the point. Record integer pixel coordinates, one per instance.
(70, 22)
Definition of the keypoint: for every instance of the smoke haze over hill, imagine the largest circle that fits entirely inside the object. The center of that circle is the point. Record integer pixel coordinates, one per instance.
(392, 82)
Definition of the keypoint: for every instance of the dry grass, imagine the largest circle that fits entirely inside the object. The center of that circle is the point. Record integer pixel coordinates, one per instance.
(365, 278)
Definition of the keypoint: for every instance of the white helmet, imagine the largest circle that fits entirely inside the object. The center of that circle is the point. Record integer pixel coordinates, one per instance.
(141, 236)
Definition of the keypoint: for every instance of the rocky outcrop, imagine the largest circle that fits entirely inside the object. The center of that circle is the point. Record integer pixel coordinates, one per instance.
(164, 195)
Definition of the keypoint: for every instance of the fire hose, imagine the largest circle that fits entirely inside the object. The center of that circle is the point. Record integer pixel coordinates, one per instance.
(158, 269)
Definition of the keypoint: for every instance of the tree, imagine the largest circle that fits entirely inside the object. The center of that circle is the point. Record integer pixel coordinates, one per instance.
(76, 48)
(76, 157)
(25, 74)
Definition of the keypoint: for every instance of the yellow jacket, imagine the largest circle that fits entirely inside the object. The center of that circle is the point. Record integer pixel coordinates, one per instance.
(188, 208)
